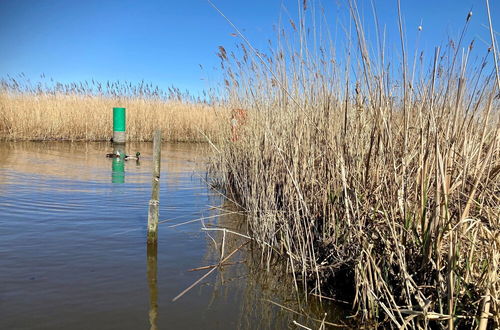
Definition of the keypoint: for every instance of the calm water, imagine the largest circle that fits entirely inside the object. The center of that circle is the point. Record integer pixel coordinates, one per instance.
(73, 252)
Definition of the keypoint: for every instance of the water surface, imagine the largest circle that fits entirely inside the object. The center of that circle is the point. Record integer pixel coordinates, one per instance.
(73, 252)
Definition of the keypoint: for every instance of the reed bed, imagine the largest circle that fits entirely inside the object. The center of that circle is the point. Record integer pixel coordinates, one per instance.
(376, 186)
(75, 113)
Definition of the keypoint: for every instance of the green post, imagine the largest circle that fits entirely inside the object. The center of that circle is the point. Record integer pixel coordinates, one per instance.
(119, 125)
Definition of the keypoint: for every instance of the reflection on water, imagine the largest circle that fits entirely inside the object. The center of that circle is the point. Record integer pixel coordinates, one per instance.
(152, 272)
(266, 286)
(117, 170)
(118, 164)
(73, 251)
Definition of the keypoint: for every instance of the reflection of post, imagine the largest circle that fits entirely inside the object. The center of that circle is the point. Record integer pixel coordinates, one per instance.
(118, 165)
(155, 193)
(153, 284)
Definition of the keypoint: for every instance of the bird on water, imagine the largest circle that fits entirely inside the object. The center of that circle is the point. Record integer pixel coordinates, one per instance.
(136, 157)
(114, 155)
(125, 157)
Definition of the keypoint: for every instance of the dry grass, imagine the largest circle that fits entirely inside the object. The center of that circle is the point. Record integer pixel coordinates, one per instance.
(81, 116)
(390, 183)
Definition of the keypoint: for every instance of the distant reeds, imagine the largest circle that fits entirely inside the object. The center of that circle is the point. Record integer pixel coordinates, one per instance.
(77, 113)
(378, 186)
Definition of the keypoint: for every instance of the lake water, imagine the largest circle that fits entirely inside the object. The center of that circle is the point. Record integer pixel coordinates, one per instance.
(73, 246)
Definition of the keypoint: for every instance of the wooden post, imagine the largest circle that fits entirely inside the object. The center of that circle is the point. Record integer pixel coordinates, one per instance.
(154, 202)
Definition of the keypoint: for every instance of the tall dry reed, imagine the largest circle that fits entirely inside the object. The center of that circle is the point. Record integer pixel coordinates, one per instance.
(70, 112)
(377, 186)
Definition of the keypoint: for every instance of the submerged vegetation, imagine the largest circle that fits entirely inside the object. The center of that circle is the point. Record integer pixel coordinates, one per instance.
(83, 112)
(379, 186)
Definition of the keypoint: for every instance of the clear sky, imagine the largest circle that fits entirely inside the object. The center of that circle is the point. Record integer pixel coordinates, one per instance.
(165, 42)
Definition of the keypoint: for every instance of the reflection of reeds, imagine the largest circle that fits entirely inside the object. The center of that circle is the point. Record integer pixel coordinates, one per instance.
(268, 299)
(81, 115)
(390, 180)
(86, 160)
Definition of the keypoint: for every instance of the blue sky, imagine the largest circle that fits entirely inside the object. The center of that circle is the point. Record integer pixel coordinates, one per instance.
(165, 42)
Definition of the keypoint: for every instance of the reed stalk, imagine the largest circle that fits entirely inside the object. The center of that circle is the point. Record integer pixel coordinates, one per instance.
(369, 177)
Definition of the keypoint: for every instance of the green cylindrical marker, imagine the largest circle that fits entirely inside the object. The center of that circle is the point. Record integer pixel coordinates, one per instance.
(119, 125)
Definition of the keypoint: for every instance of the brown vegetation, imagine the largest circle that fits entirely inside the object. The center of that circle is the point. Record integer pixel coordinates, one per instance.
(387, 186)
(80, 115)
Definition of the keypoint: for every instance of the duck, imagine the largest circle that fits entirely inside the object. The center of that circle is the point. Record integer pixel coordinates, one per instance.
(116, 155)
(136, 157)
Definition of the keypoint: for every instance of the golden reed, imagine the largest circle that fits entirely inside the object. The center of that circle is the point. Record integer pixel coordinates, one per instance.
(75, 117)
(377, 186)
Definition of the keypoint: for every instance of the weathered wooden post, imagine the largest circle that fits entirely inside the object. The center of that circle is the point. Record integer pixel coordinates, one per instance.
(152, 245)
(154, 202)
(119, 125)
